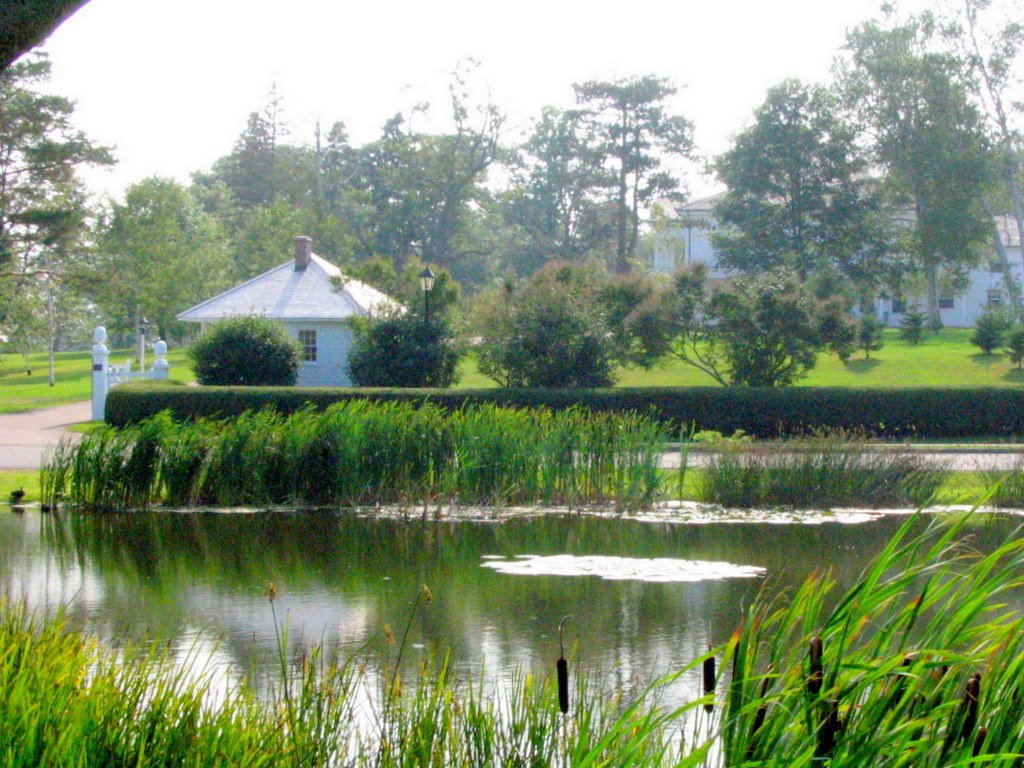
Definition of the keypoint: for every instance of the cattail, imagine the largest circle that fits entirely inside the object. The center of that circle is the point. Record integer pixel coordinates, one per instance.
(979, 740)
(814, 681)
(762, 713)
(709, 681)
(830, 728)
(969, 705)
(562, 666)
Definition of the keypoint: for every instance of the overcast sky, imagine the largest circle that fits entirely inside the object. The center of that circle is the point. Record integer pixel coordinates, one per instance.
(169, 83)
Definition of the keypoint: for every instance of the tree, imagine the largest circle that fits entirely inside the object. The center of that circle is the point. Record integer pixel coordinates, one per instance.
(989, 330)
(796, 193)
(757, 330)
(425, 189)
(559, 190)
(404, 350)
(634, 128)
(837, 330)
(912, 327)
(40, 155)
(25, 24)
(246, 351)
(869, 335)
(158, 255)
(987, 56)
(1015, 344)
(927, 135)
(548, 331)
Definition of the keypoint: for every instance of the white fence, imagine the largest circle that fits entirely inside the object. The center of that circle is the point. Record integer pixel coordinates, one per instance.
(106, 376)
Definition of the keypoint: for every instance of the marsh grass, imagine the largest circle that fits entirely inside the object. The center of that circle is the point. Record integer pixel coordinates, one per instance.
(1006, 487)
(835, 469)
(362, 452)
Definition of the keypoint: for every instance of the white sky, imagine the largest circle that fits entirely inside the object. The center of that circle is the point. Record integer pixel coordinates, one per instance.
(169, 83)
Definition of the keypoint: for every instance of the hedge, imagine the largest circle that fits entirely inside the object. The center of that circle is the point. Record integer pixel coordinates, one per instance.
(900, 413)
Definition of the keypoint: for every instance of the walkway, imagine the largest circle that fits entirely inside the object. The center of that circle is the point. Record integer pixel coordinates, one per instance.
(24, 437)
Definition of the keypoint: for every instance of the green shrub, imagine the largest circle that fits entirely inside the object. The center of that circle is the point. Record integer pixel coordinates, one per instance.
(912, 327)
(869, 335)
(1014, 341)
(404, 351)
(761, 412)
(242, 351)
(989, 329)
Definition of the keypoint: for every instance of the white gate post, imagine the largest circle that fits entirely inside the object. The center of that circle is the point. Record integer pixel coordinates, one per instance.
(100, 355)
(161, 366)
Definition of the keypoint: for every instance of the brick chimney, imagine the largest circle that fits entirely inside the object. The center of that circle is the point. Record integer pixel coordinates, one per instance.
(303, 252)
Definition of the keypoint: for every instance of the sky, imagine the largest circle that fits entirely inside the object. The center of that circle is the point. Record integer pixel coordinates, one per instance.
(169, 83)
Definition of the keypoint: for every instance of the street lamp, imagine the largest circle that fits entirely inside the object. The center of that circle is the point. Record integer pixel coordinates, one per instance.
(427, 284)
(143, 325)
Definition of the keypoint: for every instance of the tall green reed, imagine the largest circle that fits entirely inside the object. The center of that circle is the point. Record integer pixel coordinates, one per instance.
(838, 469)
(362, 452)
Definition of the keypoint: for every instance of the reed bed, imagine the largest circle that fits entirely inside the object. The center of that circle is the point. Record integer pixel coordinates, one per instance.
(835, 469)
(1006, 487)
(362, 452)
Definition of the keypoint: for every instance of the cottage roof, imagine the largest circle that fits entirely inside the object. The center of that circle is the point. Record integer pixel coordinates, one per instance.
(288, 293)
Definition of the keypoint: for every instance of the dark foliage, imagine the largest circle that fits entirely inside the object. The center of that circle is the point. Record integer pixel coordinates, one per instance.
(404, 351)
(759, 411)
(243, 351)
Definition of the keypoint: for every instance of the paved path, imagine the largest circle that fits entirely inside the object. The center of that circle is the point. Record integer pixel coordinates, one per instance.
(25, 436)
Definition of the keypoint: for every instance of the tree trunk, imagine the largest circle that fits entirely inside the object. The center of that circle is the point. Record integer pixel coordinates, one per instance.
(1012, 286)
(931, 273)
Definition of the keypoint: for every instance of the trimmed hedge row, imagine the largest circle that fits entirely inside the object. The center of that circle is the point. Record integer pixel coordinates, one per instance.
(931, 413)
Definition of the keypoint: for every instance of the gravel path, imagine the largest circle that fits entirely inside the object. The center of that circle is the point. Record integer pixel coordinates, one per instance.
(24, 437)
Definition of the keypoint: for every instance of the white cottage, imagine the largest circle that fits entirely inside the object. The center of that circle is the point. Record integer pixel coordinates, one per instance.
(302, 295)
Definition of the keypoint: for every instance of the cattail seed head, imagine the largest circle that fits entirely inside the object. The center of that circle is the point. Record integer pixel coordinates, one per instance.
(814, 681)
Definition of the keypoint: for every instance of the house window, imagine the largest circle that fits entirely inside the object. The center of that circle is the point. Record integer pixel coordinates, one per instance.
(308, 341)
(946, 302)
(899, 305)
(994, 297)
(995, 266)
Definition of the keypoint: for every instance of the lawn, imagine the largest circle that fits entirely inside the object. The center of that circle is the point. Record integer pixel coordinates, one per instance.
(22, 391)
(945, 360)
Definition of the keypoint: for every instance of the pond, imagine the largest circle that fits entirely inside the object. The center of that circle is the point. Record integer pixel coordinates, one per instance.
(645, 596)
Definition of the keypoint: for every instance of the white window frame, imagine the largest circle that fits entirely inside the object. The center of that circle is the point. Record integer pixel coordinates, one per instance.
(308, 341)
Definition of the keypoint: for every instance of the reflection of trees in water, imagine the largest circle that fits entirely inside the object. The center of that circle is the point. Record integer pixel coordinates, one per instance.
(343, 577)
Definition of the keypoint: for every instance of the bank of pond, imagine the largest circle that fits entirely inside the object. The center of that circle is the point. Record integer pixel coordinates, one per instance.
(915, 659)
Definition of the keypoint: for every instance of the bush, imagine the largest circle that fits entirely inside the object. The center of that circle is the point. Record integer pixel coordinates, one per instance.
(869, 335)
(404, 351)
(989, 329)
(246, 351)
(1014, 341)
(912, 327)
(759, 411)
(549, 332)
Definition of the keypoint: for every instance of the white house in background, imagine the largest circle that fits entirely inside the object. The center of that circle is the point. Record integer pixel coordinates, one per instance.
(687, 241)
(302, 296)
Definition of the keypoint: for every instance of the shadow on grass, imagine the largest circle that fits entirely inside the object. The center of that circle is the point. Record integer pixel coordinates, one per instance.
(863, 366)
(987, 360)
(1016, 376)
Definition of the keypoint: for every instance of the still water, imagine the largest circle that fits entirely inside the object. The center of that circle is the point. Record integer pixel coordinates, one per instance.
(641, 606)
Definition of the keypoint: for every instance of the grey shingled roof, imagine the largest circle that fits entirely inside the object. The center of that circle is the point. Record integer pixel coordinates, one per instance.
(284, 293)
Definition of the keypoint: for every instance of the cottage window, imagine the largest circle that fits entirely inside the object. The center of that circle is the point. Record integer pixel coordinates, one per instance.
(308, 341)
(994, 297)
(946, 302)
(899, 305)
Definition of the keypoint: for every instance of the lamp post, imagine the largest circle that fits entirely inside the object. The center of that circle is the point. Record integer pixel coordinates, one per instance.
(427, 284)
(143, 325)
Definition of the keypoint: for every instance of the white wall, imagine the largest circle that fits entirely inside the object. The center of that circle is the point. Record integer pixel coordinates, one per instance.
(334, 341)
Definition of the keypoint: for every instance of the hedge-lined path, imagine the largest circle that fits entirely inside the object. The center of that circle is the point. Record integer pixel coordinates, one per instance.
(24, 437)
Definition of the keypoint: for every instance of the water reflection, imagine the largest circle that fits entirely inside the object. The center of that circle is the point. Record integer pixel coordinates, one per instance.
(198, 581)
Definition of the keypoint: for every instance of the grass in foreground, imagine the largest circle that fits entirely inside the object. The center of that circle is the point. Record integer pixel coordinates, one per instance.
(919, 663)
